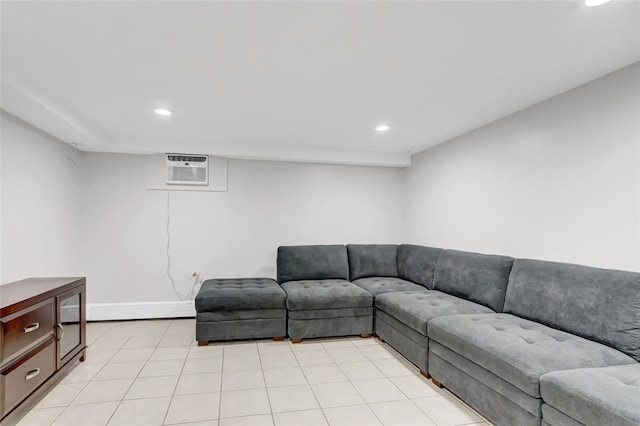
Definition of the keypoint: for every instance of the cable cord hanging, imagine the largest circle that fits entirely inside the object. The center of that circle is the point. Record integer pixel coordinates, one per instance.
(173, 284)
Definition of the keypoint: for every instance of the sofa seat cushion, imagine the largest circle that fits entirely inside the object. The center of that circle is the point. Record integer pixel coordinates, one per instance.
(416, 309)
(239, 294)
(519, 350)
(325, 294)
(379, 285)
(595, 396)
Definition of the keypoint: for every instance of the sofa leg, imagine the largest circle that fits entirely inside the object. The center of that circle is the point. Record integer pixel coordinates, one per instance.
(278, 338)
(425, 374)
(365, 335)
(436, 382)
(203, 342)
(296, 339)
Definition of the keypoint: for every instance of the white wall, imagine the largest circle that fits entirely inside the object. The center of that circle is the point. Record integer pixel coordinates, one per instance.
(223, 234)
(40, 203)
(557, 181)
(1, 126)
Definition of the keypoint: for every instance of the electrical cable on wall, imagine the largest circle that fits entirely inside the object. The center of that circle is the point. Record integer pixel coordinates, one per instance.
(197, 278)
(173, 284)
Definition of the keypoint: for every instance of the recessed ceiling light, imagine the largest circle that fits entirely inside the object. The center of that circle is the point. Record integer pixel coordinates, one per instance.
(383, 128)
(162, 111)
(592, 3)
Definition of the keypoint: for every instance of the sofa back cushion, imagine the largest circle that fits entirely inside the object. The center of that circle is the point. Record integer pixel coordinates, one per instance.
(372, 260)
(418, 264)
(480, 278)
(598, 304)
(319, 262)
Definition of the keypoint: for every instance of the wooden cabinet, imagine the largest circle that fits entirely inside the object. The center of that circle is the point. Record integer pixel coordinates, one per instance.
(42, 333)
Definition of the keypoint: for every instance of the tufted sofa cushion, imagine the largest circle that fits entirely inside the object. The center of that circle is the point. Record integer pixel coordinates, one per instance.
(518, 350)
(319, 262)
(325, 294)
(416, 309)
(418, 263)
(595, 396)
(599, 304)
(481, 278)
(372, 260)
(380, 285)
(239, 293)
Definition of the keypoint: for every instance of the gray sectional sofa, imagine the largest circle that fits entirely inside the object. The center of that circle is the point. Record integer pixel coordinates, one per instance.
(524, 342)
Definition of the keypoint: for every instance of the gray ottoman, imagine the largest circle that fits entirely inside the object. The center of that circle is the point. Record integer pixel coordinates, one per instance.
(592, 396)
(240, 308)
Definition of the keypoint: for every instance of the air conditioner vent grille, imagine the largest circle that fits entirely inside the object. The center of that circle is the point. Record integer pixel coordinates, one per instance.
(185, 169)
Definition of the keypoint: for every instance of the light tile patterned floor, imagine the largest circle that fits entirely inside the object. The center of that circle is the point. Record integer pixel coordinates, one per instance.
(153, 373)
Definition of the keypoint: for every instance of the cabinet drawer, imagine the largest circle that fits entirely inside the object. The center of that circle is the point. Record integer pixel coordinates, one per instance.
(24, 376)
(25, 327)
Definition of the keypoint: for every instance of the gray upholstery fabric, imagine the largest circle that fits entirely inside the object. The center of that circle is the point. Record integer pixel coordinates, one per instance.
(599, 304)
(480, 278)
(372, 260)
(418, 264)
(595, 396)
(518, 350)
(325, 294)
(498, 384)
(416, 309)
(326, 327)
(553, 417)
(330, 313)
(501, 410)
(380, 285)
(241, 315)
(318, 262)
(411, 344)
(239, 294)
(241, 329)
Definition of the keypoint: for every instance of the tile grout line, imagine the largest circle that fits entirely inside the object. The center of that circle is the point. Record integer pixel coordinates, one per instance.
(164, 419)
(266, 390)
(312, 391)
(130, 335)
(221, 383)
(130, 384)
(91, 380)
(409, 398)
(362, 396)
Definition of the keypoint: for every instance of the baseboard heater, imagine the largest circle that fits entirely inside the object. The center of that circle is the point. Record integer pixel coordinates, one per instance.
(140, 310)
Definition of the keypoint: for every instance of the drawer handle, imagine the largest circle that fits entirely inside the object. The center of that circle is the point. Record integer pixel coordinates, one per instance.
(61, 331)
(32, 327)
(31, 374)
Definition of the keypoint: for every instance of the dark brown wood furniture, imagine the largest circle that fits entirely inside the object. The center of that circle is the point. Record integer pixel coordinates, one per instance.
(42, 333)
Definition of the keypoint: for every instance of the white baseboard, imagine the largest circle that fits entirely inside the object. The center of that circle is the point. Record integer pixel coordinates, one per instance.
(140, 310)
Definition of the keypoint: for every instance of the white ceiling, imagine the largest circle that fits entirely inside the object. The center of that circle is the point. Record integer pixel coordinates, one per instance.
(301, 81)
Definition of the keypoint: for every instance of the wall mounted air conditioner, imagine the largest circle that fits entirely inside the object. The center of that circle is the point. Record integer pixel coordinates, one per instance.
(186, 169)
